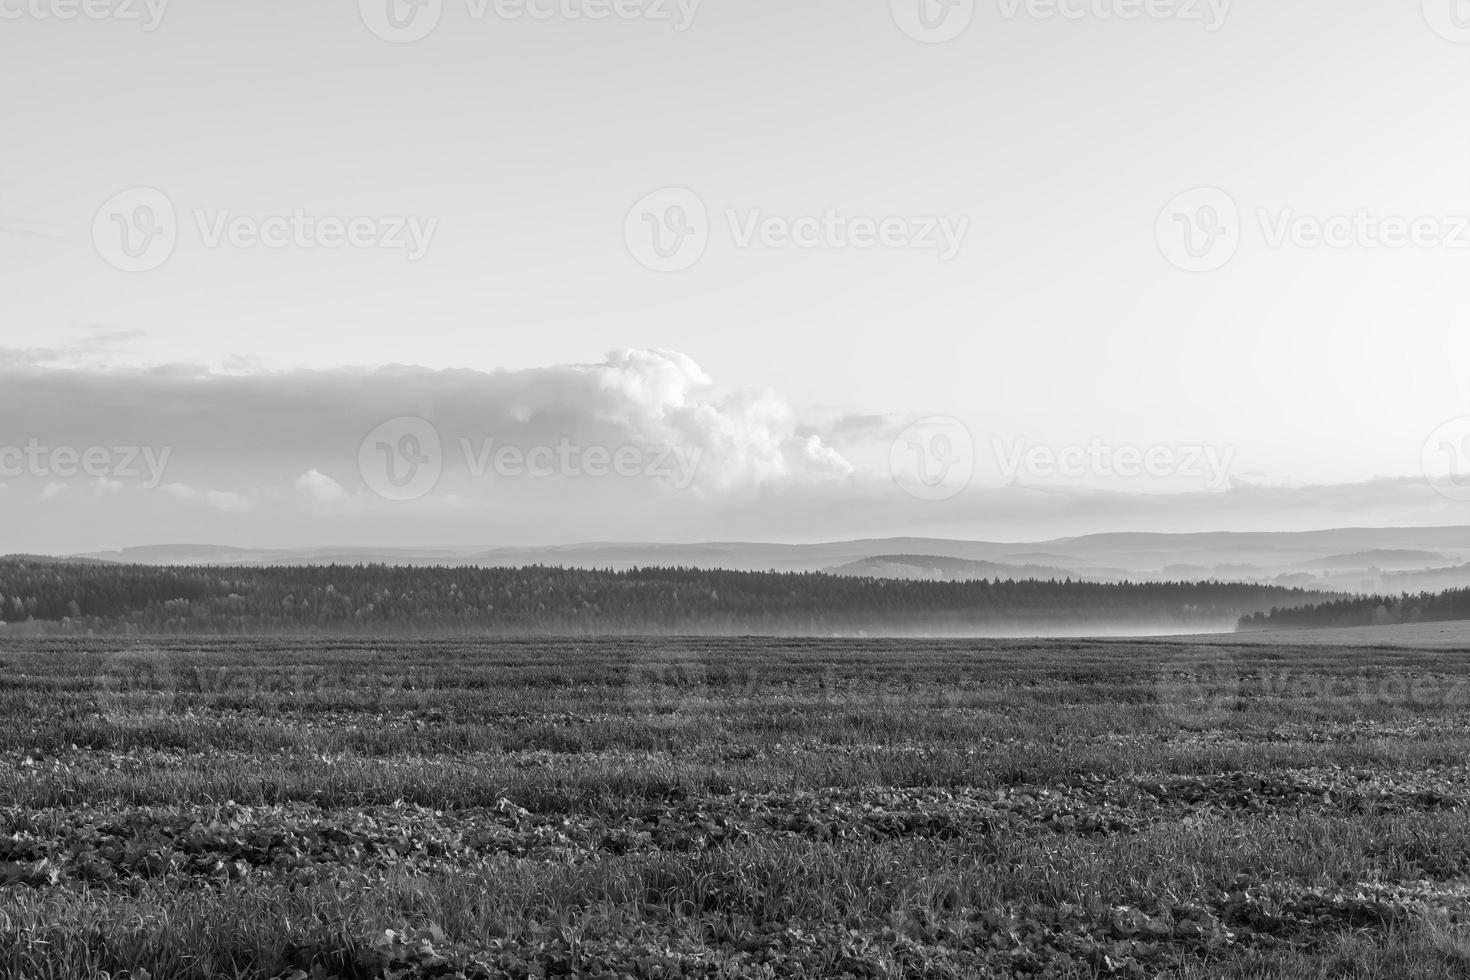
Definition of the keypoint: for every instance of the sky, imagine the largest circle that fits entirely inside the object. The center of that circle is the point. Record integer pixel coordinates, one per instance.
(1011, 270)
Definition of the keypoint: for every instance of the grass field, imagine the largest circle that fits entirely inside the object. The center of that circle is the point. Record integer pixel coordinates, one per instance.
(766, 808)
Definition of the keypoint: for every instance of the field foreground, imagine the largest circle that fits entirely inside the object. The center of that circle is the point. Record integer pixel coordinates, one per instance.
(760, 808)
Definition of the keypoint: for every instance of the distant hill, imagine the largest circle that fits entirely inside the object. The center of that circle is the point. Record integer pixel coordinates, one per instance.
(938, 568)
(1345, 560)
(1382, 558)
(52, 560)
(1044, 558)
(208, 554)
(1425, 580)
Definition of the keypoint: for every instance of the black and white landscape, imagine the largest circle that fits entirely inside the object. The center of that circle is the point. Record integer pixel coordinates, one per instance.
(734, 489)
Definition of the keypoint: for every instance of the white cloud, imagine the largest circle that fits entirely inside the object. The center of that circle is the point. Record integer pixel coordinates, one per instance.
(226, 502)
(222, 501)
(180, 491)
(766, 469)
(321, 488)
(254, 430)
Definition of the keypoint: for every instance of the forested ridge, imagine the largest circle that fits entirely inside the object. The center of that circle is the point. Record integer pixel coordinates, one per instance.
(71, 597)
(1426, 607)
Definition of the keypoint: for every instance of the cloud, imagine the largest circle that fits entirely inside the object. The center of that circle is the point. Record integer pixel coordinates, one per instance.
(95, 345)
(257, 428)
(292, 449)
(223, 501)
(321, 488)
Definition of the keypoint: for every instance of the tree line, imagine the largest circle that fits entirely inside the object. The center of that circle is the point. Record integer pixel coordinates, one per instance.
(58, 596)
(1376, 610)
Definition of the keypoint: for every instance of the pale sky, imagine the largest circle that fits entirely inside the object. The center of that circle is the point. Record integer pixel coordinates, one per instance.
(1049, 147)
